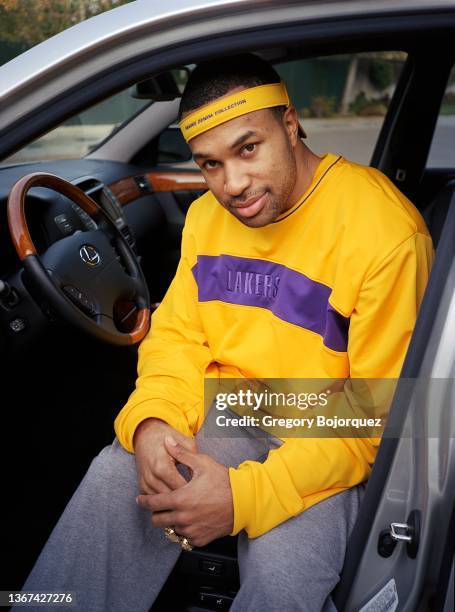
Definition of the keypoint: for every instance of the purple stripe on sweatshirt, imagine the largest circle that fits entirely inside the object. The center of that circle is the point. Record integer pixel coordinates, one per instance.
(290, 295)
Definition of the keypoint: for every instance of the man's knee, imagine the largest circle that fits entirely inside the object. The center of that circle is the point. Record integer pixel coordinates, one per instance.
(305, 554)
(274, 561)
(276, 573)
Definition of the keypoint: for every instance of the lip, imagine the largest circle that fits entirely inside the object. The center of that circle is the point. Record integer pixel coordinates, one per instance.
(252, 206)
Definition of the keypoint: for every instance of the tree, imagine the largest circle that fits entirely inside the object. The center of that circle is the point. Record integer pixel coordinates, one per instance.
(32, 21)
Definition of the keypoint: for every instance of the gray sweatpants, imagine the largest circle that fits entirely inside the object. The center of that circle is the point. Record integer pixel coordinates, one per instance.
(105, 550)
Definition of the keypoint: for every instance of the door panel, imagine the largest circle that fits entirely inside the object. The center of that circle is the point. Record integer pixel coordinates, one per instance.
(415, 471)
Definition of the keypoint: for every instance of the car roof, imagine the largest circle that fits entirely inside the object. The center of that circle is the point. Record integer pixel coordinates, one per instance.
(104, 54)
(131, 19)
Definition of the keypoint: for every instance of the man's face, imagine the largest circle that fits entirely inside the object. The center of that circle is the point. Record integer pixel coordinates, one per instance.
(249, 165)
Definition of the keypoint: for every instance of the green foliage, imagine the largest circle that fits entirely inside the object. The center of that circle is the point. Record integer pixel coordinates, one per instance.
(448, 104)
(364, 107)
(360, 102)
(322, 106)
(32, 21)
(381, 73)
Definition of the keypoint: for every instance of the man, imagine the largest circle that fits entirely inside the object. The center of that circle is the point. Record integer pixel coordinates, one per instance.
(292, 266)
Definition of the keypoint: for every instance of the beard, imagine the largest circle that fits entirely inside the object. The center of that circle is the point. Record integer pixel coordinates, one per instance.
(278, 193)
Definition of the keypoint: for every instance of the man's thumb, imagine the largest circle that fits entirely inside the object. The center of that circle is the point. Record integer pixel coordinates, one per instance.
(180, 454)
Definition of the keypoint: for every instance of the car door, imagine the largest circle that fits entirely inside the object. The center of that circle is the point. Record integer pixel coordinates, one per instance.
(400, 556)
(401, 552)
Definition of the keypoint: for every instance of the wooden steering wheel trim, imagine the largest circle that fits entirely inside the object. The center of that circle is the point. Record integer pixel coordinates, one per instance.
(23, 242)
(17, 222)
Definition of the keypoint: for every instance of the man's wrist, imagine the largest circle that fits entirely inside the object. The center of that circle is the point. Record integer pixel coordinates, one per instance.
(146, 425)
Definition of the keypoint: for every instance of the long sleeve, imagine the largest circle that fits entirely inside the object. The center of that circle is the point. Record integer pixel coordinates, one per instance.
(172, 361)
(305, 471)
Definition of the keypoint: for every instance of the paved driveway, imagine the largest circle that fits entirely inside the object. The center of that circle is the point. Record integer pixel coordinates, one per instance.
(355, 137)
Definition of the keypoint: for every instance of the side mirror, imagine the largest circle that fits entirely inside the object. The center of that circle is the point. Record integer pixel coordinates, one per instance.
(161, 87)
(172, 147)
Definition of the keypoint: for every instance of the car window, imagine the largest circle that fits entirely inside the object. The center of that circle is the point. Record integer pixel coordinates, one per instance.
(82, 133)
(342, 99)
(442, 152)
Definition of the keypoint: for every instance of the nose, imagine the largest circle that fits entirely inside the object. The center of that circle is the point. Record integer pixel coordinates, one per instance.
(236, 181)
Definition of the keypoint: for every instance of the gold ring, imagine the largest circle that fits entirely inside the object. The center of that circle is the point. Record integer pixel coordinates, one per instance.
(184, 543)
(174, 537)
(169, 532)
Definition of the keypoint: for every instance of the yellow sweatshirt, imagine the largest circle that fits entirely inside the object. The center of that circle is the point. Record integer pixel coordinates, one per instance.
(330, 289)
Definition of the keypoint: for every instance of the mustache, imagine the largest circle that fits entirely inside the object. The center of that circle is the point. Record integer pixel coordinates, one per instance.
(246, 196)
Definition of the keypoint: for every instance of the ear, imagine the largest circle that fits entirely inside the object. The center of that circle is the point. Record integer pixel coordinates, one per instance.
(291, 124)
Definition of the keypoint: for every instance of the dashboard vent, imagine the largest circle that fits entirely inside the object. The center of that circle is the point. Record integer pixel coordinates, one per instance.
(91, 186)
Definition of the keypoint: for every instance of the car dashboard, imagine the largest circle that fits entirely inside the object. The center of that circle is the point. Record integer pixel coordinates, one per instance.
(148, 208)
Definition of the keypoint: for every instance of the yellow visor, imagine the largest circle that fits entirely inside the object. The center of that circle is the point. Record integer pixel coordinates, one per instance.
(229, 107)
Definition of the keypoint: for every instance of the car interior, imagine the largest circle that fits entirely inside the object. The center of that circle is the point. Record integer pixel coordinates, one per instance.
(66, 382)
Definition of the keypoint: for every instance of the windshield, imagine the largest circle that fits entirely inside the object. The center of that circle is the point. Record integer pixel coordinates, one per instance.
(82, 133)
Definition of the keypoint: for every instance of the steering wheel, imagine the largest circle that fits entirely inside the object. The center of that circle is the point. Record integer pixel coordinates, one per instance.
(89, 278)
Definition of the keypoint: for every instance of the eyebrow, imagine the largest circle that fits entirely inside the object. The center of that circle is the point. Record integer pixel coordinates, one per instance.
(240, 140)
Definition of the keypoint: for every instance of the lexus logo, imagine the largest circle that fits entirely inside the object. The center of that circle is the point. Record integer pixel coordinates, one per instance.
(90, 255)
